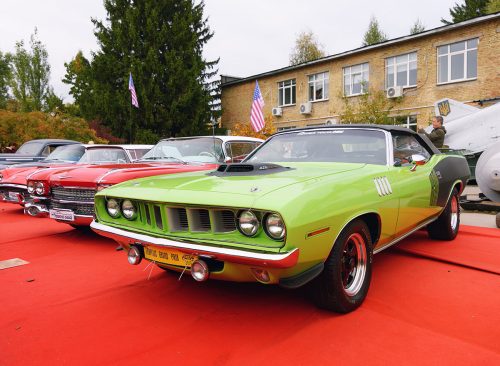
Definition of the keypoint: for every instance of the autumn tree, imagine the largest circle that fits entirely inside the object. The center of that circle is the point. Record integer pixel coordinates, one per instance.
(245, 129)
(417, 27)
(374, 34)
(307, 48)
(493, 6)
(469, 9)
(372, 107)
(30, 71)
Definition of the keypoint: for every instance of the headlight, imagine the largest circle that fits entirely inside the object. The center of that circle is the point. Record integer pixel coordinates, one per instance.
(39, 188)
(248, 223)
(31, 187)
(275, 227)
(113, 208)
(128, 210)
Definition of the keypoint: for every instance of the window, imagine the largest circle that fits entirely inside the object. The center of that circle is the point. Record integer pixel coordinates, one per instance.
(401, 70)
(318, 86)
(286, 92)
(356, 79)
(457, 61)
(238, 150)
(406, 121)
(404, 147)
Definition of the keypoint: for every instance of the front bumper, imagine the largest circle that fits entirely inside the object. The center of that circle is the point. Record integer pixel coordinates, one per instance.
(238, 256)
(9, 190)
(37, 209)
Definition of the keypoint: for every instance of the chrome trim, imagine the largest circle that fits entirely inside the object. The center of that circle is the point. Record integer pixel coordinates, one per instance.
(278, 260)
(73, 187)
(12, 185)
(425, 223)
(41, 210)
(101, 178)
(75, 202)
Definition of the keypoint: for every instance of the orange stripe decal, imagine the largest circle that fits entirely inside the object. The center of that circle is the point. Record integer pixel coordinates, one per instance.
(317, 232)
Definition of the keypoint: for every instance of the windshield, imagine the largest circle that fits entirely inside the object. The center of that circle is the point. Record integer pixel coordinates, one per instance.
(103, 155)
(327, 145)
(30, 148)
(201, 150)
(67, 153)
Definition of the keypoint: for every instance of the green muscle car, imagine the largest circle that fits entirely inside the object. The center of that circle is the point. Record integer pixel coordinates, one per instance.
(309, 206)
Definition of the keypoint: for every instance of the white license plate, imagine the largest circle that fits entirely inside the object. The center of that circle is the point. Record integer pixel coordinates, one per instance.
(64, 215)
(13, 196)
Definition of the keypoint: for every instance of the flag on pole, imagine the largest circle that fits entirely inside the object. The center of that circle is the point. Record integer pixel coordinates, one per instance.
(131, 87)
(256, 115)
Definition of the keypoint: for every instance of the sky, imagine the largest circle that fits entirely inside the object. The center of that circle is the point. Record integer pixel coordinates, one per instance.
(250, 37)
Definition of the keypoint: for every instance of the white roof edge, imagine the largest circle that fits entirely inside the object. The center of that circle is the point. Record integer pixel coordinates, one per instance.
(401, 39)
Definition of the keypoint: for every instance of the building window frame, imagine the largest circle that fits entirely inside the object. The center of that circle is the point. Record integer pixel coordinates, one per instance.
(318, 86)
(285, 86)
(408, 121)
(393, 63)
(350, 72)
(445, 55)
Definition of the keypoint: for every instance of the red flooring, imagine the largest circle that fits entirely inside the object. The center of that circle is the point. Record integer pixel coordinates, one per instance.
(79, 302)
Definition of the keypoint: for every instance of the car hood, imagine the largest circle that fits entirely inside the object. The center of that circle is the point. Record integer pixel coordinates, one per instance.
(90, 176)
(229, 190)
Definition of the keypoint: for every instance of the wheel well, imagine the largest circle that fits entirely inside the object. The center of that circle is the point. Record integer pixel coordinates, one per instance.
(372, 220)
(459, 186)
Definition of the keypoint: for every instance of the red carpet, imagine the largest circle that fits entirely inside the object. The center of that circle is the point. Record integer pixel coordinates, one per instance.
(79, 302)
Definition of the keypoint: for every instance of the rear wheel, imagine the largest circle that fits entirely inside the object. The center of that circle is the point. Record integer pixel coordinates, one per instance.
(344, 282)
(446, 225)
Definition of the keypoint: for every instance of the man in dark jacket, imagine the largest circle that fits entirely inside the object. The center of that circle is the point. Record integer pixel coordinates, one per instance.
(437, 134)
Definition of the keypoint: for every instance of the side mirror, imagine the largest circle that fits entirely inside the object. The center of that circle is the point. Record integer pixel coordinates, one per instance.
(416, 160)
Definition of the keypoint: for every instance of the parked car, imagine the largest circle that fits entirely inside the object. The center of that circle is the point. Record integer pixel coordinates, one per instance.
(69, 194)
(32, 151)
(309, 206)
(13, 186)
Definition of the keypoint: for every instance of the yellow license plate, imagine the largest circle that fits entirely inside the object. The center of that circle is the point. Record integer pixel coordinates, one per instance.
(169, 256)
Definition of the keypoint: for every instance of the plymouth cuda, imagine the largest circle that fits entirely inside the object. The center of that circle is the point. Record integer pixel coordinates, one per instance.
(309, 206)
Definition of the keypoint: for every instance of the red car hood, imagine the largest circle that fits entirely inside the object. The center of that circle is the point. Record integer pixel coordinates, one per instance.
(19, 175)
(90, 176)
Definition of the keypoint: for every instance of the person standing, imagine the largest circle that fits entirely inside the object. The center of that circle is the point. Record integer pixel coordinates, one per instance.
(437, 134)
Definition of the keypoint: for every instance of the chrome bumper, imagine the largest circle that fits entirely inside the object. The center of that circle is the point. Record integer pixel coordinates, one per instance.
(35, 209)
(270, 260)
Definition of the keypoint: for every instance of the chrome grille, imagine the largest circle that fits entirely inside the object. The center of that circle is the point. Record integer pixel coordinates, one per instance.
(77, 208)
(73, 194)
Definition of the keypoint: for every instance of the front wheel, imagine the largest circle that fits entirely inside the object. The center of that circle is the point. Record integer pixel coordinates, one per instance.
(344, 282)
(445, 227)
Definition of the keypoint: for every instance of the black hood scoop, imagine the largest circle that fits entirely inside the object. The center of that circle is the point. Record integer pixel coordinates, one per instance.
(248, 169)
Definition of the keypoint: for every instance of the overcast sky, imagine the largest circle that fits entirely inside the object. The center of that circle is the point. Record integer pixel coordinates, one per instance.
(251, 36)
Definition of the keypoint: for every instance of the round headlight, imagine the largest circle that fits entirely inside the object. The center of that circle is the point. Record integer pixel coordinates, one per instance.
(248, 223)
(113, 208)
(31, 187)
(39, 188)
(128, 210)
(275, 227)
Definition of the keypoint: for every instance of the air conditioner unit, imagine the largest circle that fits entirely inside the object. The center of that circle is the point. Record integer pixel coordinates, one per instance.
(306, 108)
(277, 111)
(394, 92)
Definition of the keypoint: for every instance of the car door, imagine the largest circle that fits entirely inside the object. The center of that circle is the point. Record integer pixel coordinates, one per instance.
(413, 184)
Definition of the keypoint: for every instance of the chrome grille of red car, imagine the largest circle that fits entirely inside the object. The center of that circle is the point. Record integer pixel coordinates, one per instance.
(73, 194)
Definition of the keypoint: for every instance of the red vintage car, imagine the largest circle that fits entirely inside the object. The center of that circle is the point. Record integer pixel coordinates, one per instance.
(13, 187)
(67, 195)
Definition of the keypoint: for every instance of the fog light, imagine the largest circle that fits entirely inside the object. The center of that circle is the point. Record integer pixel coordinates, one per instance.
(199, 270)
(134, 255)
(261, 275)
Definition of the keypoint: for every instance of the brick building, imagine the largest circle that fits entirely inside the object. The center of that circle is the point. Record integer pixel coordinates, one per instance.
(459, 61)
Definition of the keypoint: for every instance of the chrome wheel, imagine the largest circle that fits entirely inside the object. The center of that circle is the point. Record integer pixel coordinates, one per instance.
(454, 208)
(353, 264)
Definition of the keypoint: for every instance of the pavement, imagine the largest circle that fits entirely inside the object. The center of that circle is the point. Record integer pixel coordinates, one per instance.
(474, 218)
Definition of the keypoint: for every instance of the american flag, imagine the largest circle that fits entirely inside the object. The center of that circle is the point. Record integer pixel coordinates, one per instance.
(131, 87)
(256, 115)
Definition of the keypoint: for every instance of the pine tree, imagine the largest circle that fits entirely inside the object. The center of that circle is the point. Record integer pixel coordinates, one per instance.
(307, 48)
(469, 9)
(160, 42)
(374, 34)
(417, 27)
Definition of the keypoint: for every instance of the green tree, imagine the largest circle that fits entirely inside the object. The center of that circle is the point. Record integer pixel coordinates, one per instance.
(30, 75)
(372, 107)
(417, 27)
(4, 79)
(493, 6)
(469, 9)
(307, 48)
(374, 34)
(78, 75)
(160, 42)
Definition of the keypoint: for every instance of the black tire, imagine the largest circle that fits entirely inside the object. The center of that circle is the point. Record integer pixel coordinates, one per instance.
(343, 285)
(445, 227)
